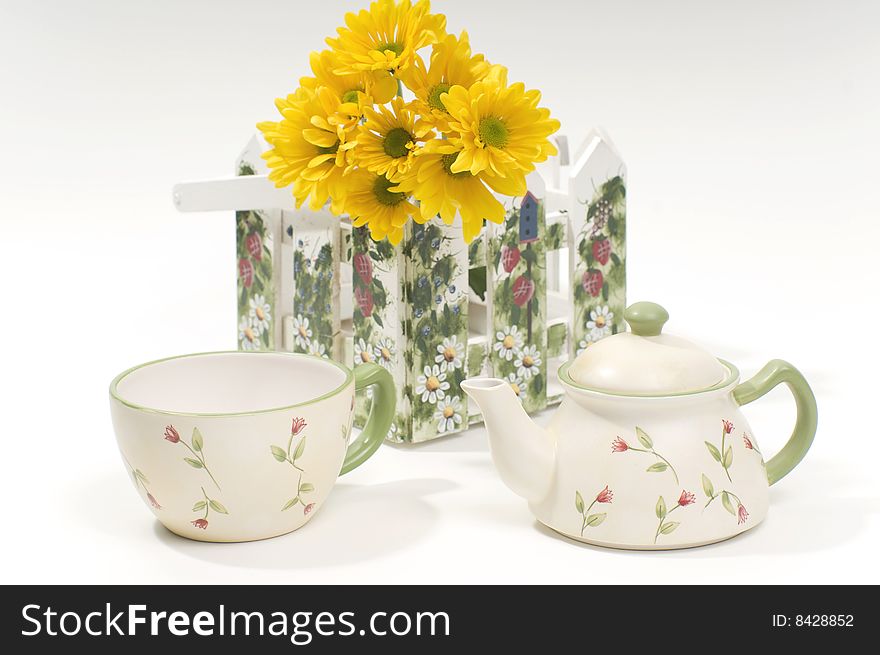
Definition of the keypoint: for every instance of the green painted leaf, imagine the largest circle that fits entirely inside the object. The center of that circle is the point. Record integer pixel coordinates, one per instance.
(666, 528)
(199, 506)
(196, 464)
(728, 504)
(278, 453)
(708, 487)
(595, 519)
(306, 487)
(290, 503)
(579, 502)
(300, 448)
(659, 467)
(197, 441)
(660, 509)
(728, 457)
(218, 507)
(714, 451)
(644, 439)
(378, 320)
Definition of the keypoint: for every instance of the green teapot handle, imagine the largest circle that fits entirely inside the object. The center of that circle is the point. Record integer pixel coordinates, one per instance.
(774, 373)
(381, 414)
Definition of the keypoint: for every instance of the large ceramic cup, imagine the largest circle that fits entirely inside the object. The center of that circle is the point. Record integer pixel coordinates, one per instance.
(240, 446)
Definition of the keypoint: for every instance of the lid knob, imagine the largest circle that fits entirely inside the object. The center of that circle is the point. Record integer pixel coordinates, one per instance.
(646, 319)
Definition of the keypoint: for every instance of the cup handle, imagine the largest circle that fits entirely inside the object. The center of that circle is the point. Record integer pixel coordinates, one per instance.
(775, 372)
(381, 414)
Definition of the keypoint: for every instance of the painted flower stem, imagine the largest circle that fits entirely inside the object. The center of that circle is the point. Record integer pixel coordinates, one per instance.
(662, 521)
(726, 471)
(586, 513)
(658, 456)
(201, 458)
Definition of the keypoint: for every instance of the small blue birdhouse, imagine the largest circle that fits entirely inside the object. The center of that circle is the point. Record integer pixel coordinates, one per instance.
(528, 219)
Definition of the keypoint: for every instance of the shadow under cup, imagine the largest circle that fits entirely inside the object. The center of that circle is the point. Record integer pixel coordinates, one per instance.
(239, 446)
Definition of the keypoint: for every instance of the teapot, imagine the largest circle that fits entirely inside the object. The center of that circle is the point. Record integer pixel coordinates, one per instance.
(649, 448)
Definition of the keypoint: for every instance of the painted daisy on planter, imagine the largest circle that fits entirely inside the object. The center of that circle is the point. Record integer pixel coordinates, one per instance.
(450, 353)
(432, 386)
(302, 334)
(384, 352)
(247, 336)
(517, 384)
(260, 313)
(584, 343)
(363, 352)
(448, 413)
(528, 362)
(508, 342)
(600, 321)
(318, 349)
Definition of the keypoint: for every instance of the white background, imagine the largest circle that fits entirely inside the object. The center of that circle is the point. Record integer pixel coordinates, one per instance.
(751, 135)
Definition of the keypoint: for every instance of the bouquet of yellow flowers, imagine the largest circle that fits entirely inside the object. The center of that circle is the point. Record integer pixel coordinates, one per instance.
(348, 136)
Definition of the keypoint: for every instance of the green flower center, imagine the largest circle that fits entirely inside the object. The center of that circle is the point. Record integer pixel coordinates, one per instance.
(395, 142)
(434, 96)
(493, 132)
(448, 161)
(383, 195)
(351, 95)
(328, 150)
(393, 46)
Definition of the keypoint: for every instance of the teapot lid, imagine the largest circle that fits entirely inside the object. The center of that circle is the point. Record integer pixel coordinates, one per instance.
(645, 362)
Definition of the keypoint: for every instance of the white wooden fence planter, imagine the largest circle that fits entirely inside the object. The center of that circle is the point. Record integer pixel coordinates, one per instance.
(555, 280)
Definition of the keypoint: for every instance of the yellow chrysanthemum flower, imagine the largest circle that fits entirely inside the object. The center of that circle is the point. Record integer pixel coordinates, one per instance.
(386, 37)
(501, 129)
(351, 89)
(369, 201)
(451, 64)
(387, 141)
(444, 193)
(308, 150)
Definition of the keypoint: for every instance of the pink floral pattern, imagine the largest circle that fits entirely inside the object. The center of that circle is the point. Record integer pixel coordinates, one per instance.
(196, 449)
(292, 455)
(621, 446)
(727, 500)
(589, 520)
(666, 526)
(207, 505)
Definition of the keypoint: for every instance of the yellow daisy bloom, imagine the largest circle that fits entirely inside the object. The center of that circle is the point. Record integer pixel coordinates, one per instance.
(370, 201)
(351, 89)
(386, 37)
(451, 64)
(501, 130)
(308, 150)
(444, 193)
(386, 143)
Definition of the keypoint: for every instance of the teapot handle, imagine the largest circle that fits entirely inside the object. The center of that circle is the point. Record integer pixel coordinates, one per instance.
(775, 372)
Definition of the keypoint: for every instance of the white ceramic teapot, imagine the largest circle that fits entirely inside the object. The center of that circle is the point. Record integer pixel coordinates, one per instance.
(649, 448)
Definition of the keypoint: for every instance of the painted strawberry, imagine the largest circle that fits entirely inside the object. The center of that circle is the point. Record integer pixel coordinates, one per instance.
(364, 267)
(593, 281)
(246, 273)
(602, 251)
(364, 298)
(523, 290)
(510, 256)
(254, 245)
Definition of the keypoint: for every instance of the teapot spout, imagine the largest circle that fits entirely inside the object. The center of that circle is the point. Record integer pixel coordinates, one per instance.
(524, 453)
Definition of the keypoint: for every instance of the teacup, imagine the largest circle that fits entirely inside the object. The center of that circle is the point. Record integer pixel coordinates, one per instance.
(238, 446)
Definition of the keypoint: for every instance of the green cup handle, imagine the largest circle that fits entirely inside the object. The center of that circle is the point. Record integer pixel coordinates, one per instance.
(381, 414)
(776, 372)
